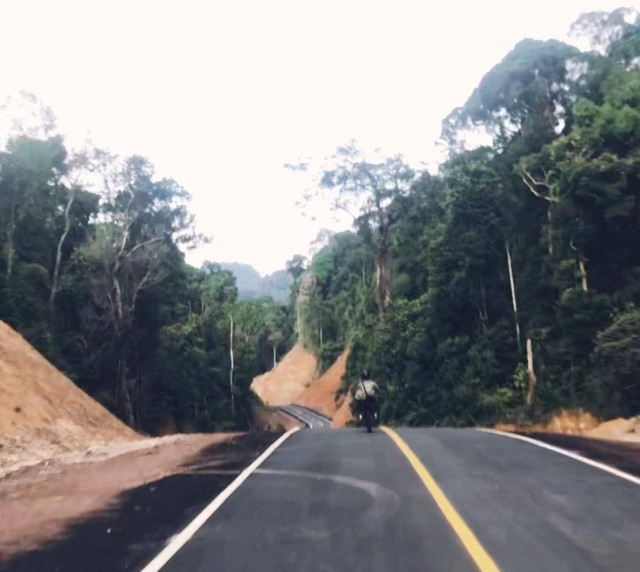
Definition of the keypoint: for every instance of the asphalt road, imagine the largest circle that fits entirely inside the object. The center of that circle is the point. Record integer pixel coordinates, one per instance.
(310, 418)
(345, 500)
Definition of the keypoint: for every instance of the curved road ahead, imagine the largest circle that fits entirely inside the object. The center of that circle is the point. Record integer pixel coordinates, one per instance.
(345, 500)
(312, 419)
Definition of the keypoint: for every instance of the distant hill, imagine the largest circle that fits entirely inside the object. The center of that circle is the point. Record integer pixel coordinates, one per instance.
(251, 285)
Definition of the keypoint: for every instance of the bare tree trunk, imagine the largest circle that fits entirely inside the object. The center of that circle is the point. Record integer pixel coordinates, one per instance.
(383, 274)
(118, 309)
(56, 270)
(513, 297)
(583, 275)
(233, 402)
(274, 357)
(550, 230)
(379, 303)
(125, 396)
(11, 228)
(531, 393)
(10, 254)
(138, 399)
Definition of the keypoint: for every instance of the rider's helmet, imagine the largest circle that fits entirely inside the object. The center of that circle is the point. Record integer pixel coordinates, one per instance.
(364, 374)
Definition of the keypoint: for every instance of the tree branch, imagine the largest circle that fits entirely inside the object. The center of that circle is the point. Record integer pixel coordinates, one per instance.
(67, 228)
(345, 209)
(125, 233)
(138, 247)
(530, 184)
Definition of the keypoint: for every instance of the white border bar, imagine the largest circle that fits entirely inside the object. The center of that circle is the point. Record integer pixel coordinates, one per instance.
(178, 541)
(601, 466)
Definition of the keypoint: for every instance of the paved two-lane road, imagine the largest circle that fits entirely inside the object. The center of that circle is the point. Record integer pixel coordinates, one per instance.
(310, 418)
(345, 500)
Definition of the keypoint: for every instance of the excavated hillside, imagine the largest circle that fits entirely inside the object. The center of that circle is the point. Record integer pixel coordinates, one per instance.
(343, 415)
(64, 457)
(42, 412)
(293, 381)
(289, 380)
(323, 394)
(580, 423)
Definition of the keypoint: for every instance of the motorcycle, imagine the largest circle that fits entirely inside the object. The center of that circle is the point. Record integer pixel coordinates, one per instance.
(368, 415)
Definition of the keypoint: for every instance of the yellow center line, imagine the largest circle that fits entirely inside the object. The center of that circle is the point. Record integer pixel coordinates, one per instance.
(478, 554)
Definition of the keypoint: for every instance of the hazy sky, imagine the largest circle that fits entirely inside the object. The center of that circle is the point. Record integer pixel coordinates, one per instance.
(219, 95)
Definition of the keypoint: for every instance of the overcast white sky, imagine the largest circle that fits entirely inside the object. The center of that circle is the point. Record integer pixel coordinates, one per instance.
(219, 95)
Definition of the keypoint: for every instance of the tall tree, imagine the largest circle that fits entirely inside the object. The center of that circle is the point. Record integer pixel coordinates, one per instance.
(30, 172)
(365, 189)
(144, 221)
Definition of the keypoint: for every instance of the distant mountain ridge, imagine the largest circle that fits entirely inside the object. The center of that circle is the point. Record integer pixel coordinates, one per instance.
(252, 285)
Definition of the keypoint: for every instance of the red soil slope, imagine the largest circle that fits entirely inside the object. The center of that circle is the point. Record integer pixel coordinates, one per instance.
(42, 412)
(343, 415)
(322, 395)
(289, 380)
(582, 423)
(293, 382)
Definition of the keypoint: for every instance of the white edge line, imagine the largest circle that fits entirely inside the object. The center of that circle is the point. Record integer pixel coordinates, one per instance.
(602, 466)
(178, 541)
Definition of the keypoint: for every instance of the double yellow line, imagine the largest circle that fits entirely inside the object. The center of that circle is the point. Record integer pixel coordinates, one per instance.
(478, 554)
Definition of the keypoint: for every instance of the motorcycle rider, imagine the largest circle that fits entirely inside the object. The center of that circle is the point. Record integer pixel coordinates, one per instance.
(366, 395)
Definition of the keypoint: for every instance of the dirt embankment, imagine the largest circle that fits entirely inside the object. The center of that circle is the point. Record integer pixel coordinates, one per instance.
(617, 429)
(64, 457)
(289, 380)
(581, 423)
(43, 413)
(293, 381)
(323, 394)
(343, 415)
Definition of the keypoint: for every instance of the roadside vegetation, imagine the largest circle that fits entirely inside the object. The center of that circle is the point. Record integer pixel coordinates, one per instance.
(92, 275)
(507, 285)
(502, 288)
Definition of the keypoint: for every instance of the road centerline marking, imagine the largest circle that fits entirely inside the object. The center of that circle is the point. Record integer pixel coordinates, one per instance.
(178, 541)
(476, 551)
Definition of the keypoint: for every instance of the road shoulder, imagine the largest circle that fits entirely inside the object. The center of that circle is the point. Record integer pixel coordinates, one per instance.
(624, 456)
(129, 528)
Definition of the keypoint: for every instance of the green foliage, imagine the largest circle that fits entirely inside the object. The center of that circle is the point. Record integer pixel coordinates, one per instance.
(544, 219)
(615, 33)
(444, 281)
(615, 378)
(337, 295)
(95, 280)
(525, 97)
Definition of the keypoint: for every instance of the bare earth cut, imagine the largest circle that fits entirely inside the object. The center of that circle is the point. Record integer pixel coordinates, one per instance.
(42, 412)
(289, 380)
(293, 382)
(323, 393)
(583, 424)
(63, 456)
